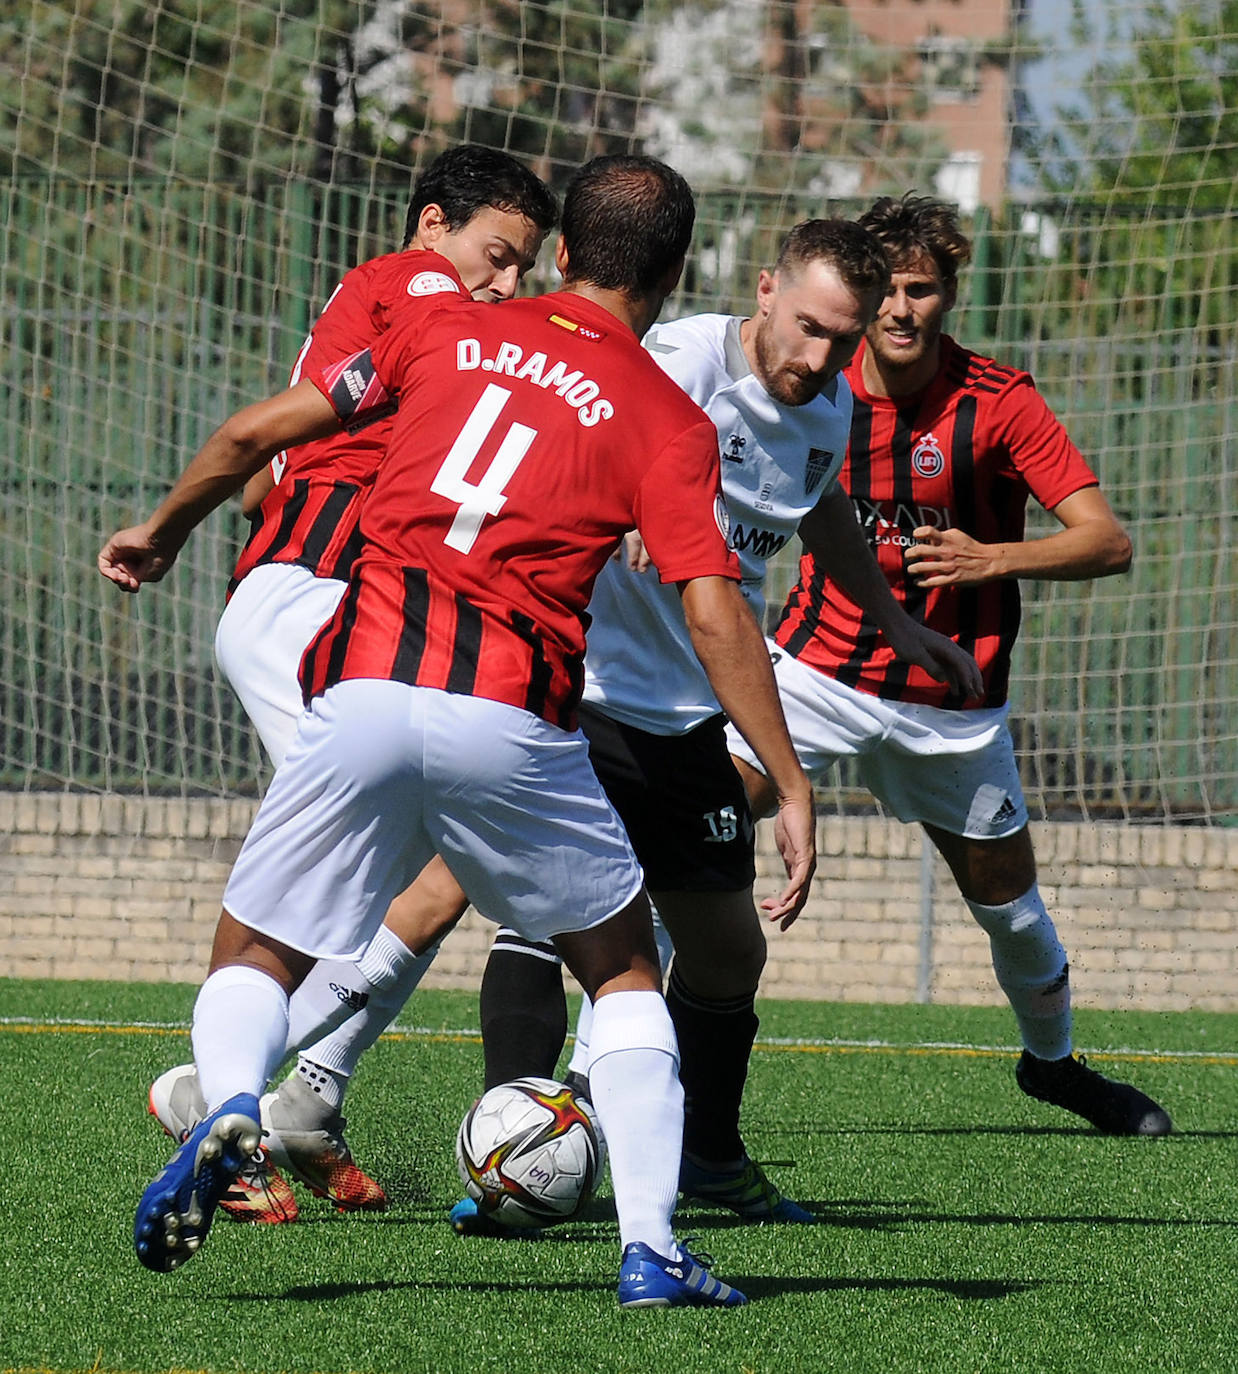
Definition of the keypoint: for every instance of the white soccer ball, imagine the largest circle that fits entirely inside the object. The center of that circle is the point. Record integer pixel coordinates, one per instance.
(530, 1152)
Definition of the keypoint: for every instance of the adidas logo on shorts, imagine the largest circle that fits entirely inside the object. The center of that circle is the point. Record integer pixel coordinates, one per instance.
(1003, 812)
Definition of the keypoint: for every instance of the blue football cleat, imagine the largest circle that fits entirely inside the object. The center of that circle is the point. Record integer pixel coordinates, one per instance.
(467, 1220)
(647, 1279)
(175, 1212)
(746, 1191)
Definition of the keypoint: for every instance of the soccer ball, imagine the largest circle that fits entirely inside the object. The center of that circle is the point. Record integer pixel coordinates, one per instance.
(530, 1153)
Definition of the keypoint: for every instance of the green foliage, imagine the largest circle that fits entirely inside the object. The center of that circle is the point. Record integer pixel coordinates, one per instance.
(192, 89)
(1160, 127)
(1154, 146)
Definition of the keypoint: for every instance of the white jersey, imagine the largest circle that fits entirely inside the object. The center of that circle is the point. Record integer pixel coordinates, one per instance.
(777, 462)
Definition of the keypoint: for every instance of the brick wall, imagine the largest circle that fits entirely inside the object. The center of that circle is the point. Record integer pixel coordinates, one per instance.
(119, 888)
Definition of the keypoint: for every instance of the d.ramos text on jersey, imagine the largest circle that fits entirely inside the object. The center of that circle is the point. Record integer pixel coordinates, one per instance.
(580, 392)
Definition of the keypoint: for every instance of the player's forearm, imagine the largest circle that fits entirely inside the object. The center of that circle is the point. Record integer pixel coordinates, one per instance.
(732, 651)
(235, 452)
(834, 538)
(217, 471)
(1096, 548)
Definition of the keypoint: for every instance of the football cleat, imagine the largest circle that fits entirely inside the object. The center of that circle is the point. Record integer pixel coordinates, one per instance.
(467, 1220)
(647, 1279)
(259, 1193)
(746, 1191)
(314, 1151)
(176, 1210)
(1113, 1108)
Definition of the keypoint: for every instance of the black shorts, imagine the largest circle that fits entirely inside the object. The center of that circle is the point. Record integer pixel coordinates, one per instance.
(681, 801)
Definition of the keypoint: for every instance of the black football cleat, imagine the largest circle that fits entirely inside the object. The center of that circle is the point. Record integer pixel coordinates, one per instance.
(1113, 1108)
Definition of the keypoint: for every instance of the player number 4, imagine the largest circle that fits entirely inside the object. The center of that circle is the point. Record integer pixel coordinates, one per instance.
(485, 496)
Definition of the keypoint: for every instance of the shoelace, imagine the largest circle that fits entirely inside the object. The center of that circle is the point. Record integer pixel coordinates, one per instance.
(702, 1258)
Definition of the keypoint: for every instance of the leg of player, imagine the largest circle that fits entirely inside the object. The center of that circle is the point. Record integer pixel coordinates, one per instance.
(341, 1008)
(240, 1027)
(523, 1025)
(577, 1075)
(997, 879)
(259, 641)
(719, 955)
(523, 1009)
(633, 1074)
(303, 1125)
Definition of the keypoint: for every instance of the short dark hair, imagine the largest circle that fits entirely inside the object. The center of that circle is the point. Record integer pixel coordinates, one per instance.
(914, 225)
(470, 178)
(627, 221)
(854, 253)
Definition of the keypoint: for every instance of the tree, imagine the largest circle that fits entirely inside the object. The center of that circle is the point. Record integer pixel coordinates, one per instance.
(1153, 146)
(192, 89)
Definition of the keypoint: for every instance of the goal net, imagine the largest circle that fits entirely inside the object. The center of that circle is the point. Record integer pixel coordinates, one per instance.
(185, 180)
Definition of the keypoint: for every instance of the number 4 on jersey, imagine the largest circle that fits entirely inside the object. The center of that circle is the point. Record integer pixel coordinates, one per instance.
(484, 497)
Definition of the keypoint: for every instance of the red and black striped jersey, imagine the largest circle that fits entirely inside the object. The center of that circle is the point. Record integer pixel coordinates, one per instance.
(310, 515)
(529, 439)
(964, 453)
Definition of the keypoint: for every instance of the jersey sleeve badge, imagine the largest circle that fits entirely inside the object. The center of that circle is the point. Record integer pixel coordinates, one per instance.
(431, 284)
(358, 396)
(722, 517)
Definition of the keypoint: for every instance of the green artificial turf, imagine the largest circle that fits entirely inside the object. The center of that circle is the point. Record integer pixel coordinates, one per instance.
(962, 1226)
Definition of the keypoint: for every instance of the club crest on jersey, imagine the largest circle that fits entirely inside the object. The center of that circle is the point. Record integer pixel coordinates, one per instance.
(927, 457)
(723, 518)
(819, 460)
(431, 283)
(575, 327)
(734, 451)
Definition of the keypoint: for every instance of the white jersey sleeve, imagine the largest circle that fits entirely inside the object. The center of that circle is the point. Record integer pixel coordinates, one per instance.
(777, 461)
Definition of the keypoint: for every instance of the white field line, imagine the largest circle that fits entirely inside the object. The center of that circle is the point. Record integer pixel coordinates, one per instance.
(785, 1044)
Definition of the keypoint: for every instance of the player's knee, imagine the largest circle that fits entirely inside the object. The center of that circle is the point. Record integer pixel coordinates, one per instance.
(731, 968)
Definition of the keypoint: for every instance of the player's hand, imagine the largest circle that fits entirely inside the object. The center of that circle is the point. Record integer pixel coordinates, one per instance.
(939, 656)
(133, 556)
(795, 833)
(950, 558)
(632, 553)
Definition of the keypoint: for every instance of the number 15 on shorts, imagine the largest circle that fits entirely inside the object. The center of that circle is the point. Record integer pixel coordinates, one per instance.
(723, 825)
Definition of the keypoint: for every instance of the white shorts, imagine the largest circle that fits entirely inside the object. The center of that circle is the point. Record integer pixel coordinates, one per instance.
(265, 628)
(380, 776)
(951, 769)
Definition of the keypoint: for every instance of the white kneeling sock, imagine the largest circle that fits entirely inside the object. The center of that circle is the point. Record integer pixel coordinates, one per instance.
(376, 988)
(1032, 969)
(634, 1080)
(240, 1026)
(579, 1062)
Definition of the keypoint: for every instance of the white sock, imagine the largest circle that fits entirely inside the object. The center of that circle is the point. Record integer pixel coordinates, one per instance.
(579, 1062)
(634, 1079)
(370, 994)
(391, 971)
(240, 1025)
(1032, 970)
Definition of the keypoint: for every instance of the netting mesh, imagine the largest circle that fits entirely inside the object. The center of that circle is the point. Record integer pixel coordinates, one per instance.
(184, 183)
